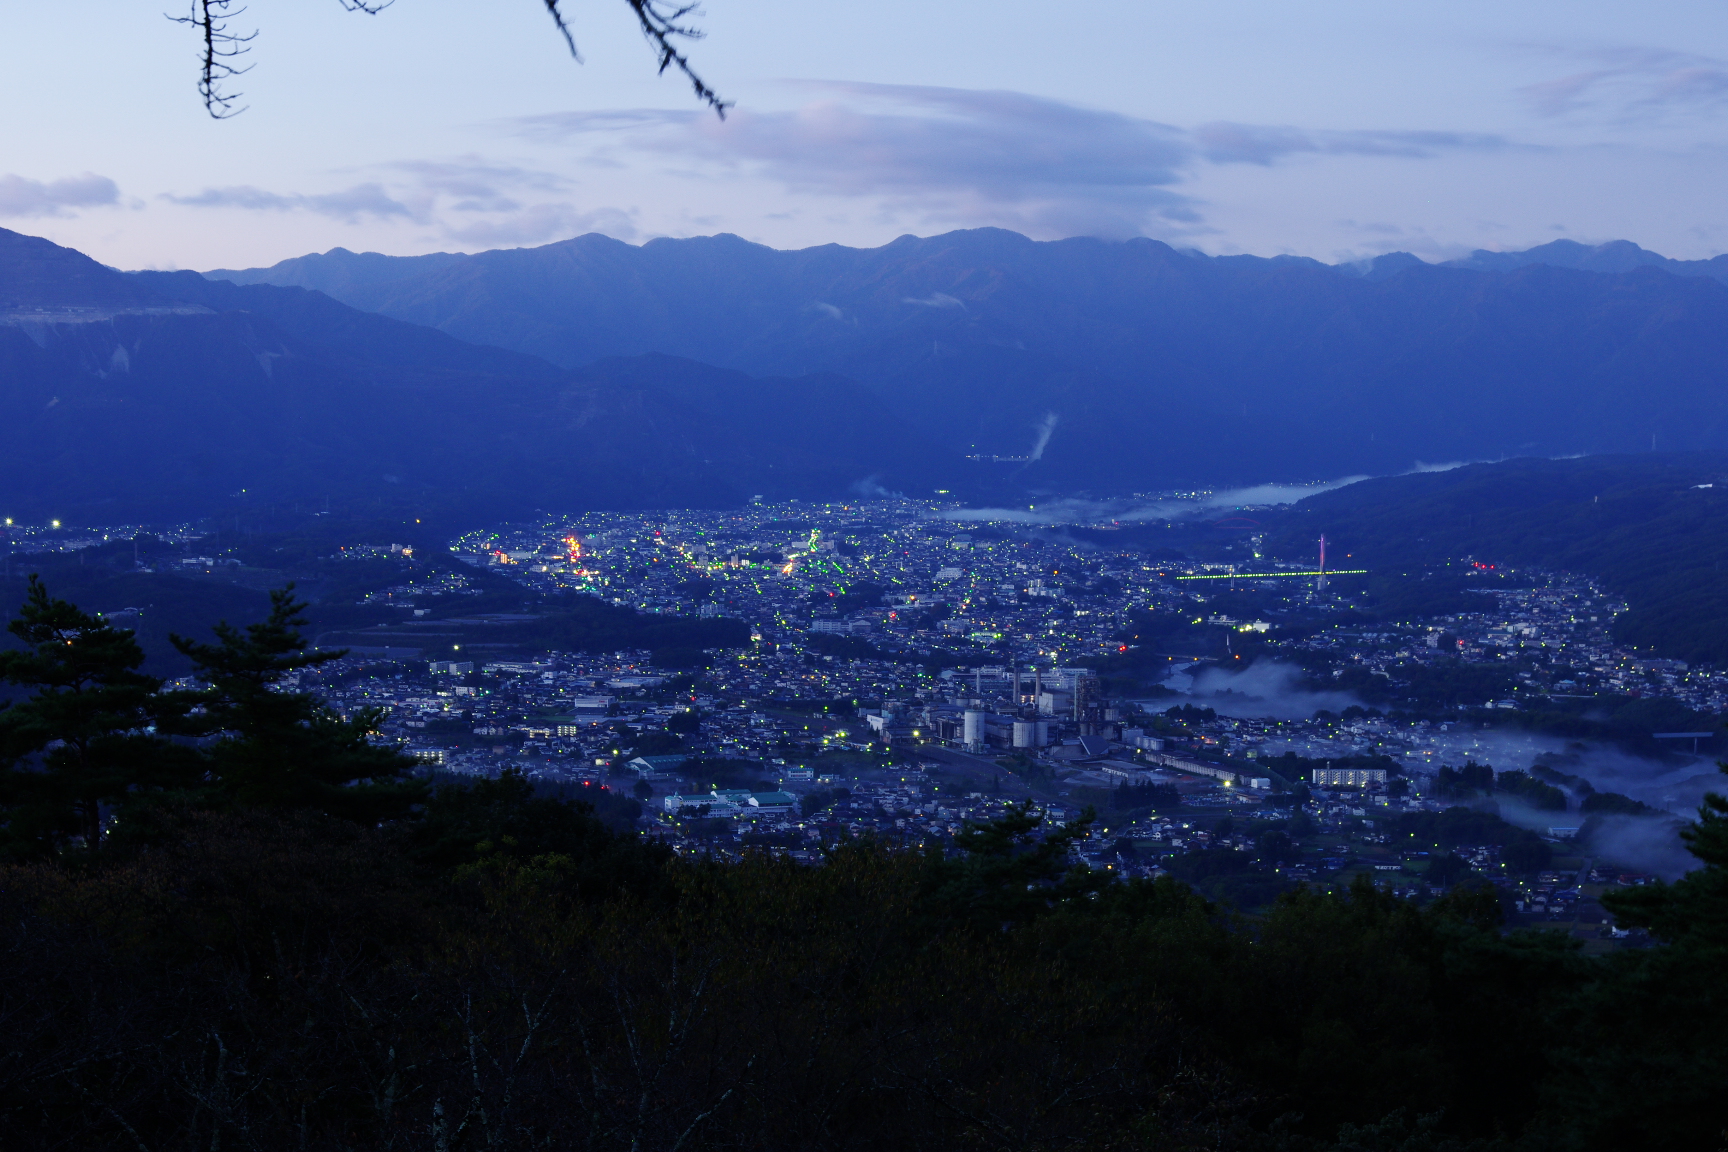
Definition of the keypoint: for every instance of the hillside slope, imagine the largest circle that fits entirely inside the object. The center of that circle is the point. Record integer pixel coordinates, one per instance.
(1653, 528)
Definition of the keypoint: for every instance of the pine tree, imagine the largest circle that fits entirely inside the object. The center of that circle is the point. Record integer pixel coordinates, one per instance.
(1013, 870)
(86, 736)
(277, 748)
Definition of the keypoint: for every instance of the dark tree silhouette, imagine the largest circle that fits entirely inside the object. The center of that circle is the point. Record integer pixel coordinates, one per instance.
(661, 24)
(85, 736)
(275, 748)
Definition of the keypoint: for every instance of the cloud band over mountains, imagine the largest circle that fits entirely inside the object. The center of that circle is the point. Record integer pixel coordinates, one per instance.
(21, 197)
(971, 157)
(937, 156)
(468, 199)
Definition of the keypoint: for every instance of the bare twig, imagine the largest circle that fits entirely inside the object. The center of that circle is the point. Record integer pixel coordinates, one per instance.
(661, 24)
(210, 18)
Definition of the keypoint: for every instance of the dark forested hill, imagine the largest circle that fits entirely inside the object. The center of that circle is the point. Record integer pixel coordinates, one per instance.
(314, 316)
(1652, 528)
(1159, 366)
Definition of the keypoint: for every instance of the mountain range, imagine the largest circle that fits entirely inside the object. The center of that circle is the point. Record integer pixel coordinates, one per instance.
(1158, 366)
(595, 373)
(158, 394)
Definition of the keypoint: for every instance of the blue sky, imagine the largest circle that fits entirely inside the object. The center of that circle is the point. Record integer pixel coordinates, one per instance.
(1335, 130)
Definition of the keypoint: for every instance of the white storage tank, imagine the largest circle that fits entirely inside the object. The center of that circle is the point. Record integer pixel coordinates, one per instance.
(973, 731)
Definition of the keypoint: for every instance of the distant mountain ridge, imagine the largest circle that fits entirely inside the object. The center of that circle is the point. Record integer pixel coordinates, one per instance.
(151, 395)
(1614, 256)
(365, 275)
(1159, 366)
(339, 272)
(593, 373)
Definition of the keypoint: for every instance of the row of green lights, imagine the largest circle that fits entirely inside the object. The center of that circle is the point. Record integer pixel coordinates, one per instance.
(1273, 575)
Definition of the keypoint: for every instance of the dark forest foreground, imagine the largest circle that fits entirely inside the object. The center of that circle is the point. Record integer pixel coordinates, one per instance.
(288, 980)
(275, 942)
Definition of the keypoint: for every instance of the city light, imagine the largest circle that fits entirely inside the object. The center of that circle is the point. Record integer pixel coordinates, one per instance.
(1277, 575)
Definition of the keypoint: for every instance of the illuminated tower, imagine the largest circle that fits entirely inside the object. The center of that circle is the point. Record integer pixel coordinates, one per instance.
(1320, 580)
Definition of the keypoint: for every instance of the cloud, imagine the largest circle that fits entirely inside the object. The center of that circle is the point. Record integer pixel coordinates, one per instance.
(20, 196)
(956, 156)
(476, 176)
(348, 205)
(360, 200)
(235, 196)
(936, 300)
(477, 201)
(970, 157)
(542, 222)
(1633, 84)
(1225, 143)
(470, 200)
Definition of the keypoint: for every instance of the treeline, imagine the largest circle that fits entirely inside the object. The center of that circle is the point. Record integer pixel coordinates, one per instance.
(586, 623)
(1475, 779)
(1437, 688)
(1145, 796)
(1520, 849)
(239, 963)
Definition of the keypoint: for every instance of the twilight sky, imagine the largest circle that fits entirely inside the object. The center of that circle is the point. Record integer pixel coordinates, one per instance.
(1330, 128)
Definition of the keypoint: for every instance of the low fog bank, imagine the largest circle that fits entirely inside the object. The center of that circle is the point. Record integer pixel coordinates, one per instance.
(1069, 511)
(1075, 511)
(1677, 788)
(1648, 843)
(1675, 785)
(1265, 689)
